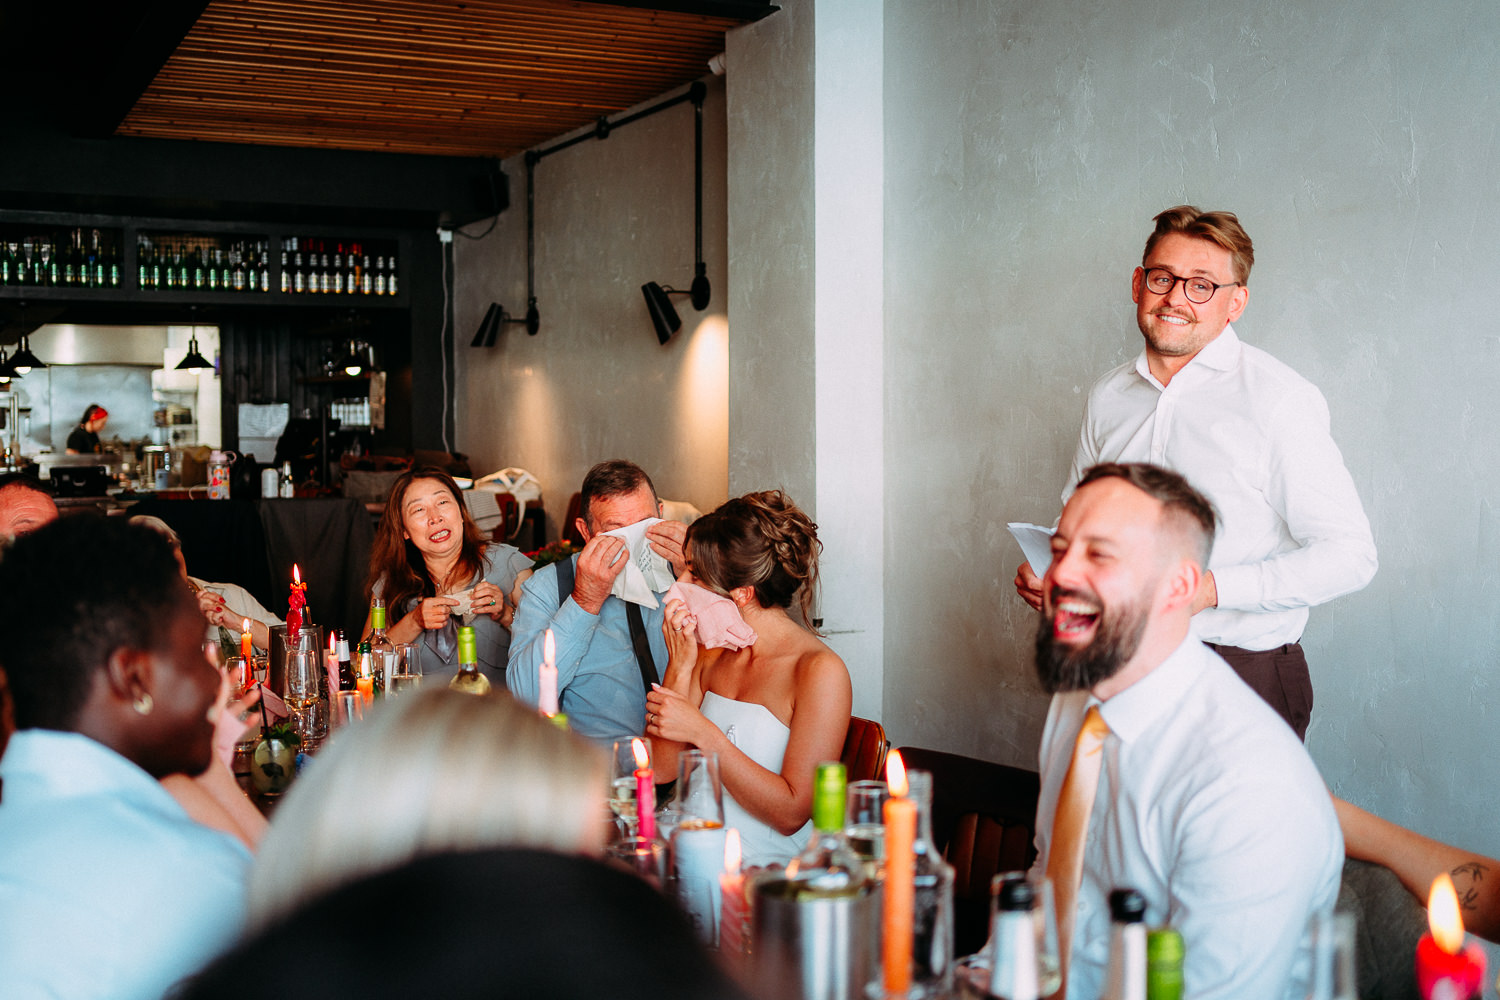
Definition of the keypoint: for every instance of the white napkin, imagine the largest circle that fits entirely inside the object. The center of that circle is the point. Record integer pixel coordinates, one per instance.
(647, 570)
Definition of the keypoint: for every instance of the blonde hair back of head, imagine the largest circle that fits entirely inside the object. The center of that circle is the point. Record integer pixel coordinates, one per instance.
(433, 772)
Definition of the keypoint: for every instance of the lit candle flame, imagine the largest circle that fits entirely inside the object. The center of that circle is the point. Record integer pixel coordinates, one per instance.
(333, 641)
(895, 774)
(1443, 918)
(732, 851)
(245, 625)
(296, 574)
(642, 758)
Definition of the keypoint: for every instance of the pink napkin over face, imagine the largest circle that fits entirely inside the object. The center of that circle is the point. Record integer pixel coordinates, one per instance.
(719, 623)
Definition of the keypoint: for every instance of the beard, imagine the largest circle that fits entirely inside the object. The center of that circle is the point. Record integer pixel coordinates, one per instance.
(1063, 667)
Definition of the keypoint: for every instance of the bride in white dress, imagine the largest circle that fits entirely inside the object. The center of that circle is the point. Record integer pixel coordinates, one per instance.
(773, 710)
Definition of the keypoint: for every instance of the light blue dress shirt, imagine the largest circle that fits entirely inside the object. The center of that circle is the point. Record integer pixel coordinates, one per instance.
(598, 680)
(107, 887)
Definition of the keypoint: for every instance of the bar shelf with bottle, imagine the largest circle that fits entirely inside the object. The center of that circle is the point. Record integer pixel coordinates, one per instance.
(169, 261)
(38, 256)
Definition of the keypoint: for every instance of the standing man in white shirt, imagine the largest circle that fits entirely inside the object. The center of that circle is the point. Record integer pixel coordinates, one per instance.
(1249, 432)
(1193, 792)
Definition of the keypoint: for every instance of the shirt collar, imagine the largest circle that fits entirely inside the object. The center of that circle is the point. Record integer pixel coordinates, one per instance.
(71, 765)
(1135, 710)
(1220, 354)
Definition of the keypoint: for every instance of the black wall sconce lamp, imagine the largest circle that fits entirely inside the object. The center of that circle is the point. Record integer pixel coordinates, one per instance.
(495, 317)
(663, 316)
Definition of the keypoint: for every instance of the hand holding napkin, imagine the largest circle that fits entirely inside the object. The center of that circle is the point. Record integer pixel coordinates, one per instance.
(719, 623)
(648, 573)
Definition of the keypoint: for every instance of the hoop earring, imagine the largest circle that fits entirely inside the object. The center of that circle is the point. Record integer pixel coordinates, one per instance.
(143, 703)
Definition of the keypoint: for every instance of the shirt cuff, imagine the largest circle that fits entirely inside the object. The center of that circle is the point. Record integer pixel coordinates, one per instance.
(1235, 586)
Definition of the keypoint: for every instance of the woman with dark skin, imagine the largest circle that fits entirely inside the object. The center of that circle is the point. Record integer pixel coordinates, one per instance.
(112, 694)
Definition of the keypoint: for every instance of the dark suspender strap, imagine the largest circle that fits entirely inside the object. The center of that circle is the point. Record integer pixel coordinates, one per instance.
(564, 580)
(638, 637)
(642, 645)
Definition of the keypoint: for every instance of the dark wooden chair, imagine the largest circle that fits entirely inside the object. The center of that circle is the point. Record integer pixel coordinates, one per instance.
(865, 747)
(984, 822)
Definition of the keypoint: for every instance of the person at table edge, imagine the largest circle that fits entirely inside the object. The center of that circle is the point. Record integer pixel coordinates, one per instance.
(598, 677)
(1206, 802)
(1249, 432)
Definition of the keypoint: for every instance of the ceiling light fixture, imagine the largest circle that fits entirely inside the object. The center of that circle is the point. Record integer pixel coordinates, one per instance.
(23, 360)
(194, 362)
(663, 316)
(353, 364)
(7, 372)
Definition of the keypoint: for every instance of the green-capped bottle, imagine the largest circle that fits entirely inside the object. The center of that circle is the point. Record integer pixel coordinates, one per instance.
(1164, 955)
(828, 866)
(381, 650)
(468, 679)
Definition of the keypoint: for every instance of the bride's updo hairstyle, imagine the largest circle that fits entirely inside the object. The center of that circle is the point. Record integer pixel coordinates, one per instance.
(759, 540)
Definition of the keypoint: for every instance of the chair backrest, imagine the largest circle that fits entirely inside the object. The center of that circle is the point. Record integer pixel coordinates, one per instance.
(865, 747)
(984, 822)
(1389, 920)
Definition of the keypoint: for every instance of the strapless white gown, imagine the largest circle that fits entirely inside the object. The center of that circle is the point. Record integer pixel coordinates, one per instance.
(762, 738)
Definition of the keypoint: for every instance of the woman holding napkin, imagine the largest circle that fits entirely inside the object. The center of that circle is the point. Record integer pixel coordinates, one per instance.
(435, 571)
(747, 680)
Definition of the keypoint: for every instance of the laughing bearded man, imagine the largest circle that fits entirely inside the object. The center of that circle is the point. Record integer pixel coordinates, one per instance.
(1206, 802)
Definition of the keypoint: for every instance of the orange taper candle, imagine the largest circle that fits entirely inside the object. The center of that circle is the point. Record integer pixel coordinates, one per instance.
(245, 645)
(900, 879)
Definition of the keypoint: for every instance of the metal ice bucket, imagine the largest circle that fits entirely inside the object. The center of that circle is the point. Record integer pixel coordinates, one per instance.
(813, 948)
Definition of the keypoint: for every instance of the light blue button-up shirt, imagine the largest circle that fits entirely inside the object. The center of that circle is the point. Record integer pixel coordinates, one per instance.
(107, 887)
(598, 679)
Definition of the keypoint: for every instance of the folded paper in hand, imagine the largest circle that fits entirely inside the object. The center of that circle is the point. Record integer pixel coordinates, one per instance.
(1036, 544)
(719, 623)
(648, 573)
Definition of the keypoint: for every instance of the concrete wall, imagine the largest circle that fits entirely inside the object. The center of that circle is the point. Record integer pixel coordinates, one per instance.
(1028, 146)
(595, 383)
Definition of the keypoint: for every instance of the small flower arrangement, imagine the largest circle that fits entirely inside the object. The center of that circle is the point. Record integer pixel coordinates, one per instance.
(554, 552)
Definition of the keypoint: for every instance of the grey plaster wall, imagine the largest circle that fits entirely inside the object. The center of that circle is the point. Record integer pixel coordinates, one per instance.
(1028, 146)
(771, 260)
(595, 383)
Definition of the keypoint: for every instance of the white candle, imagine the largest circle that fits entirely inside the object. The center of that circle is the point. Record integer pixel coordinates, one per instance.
(547, 679)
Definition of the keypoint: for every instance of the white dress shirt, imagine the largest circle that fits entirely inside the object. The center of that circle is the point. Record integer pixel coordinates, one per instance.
(107, 888)
(1251, 435)
(1211, 808)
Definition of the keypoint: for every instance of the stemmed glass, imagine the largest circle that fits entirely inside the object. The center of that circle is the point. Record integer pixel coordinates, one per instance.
(404, 668)
(304, 675)
(622, 786)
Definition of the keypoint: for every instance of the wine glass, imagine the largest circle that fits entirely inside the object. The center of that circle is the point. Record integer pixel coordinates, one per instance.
(700, 793)
(304, 672)
(622, 784)
(405, 669)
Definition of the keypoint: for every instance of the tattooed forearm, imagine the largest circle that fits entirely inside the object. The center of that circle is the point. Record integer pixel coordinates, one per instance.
(1468, 879)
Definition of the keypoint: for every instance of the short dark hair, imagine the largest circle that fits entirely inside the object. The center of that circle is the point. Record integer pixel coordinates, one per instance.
(1181, 504)
(25, 481)
(75, 591)
(613, 478)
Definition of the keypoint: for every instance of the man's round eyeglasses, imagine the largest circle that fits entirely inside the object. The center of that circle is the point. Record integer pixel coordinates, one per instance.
(1160, 281)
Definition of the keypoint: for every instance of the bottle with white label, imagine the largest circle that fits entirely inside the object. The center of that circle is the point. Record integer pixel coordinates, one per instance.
(287, 486)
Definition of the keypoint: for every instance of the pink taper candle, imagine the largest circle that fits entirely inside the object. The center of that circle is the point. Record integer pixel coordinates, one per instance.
(645, 790)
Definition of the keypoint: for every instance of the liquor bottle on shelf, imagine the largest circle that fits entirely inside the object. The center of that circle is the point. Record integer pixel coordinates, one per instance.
(7, 263)
(356, 270)
(379, 275)
(286, 270)
(98, 262)
(215, 270)
(263, 266)
(299, 274)
(237, 269)
(366, 276)
(1126, 978)
(22, 258)
(338, 269)
(325, 272)
(197, 273)
(468, 679)
(71, 259)
(828, 866)
(390, 275)
(46, 273)
(113, 264)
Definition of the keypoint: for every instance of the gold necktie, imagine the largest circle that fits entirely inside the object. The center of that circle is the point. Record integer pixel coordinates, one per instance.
(1070, 830)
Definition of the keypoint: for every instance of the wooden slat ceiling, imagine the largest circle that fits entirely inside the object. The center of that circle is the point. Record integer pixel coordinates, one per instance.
(472, 78)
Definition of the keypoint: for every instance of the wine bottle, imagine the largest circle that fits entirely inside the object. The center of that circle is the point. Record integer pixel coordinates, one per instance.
(1126, 979)
(390, 275)
(263, 266)
(468, 679)
(215, 269)
(379, 275)
(338, 270)
(7, 263)
(70, 260)
(1013, 971)
(1164, 954)
(828, 866)
(299, 276)
(381, 650)
(346, 666)
(933, 912)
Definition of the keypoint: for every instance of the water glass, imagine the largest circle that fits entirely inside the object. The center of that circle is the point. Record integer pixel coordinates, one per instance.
(864, 819)
(1332, 939)
(403, 670)
(349, 707)
(700, 793)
